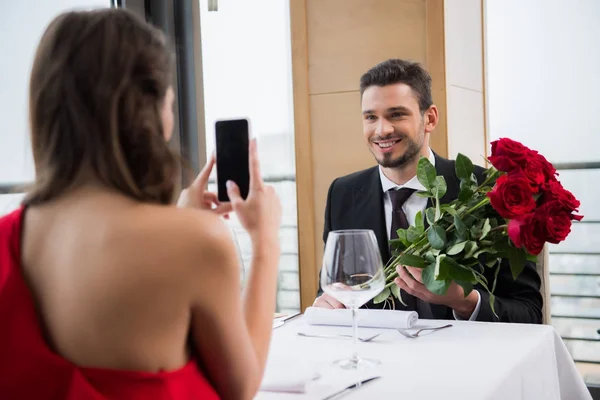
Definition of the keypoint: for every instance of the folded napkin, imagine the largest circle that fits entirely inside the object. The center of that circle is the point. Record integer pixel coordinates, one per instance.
(366, 318)
(287, 379)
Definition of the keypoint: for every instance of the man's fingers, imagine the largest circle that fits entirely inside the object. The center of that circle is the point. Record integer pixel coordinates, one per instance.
(417, 273)
(409, 280)
(326, 301)
(320, 303)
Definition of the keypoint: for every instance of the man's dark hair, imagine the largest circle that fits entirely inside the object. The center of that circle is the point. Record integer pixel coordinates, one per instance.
(394, 71)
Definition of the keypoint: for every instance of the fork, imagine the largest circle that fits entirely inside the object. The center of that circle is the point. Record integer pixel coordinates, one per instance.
(364, 340)
(416, 334)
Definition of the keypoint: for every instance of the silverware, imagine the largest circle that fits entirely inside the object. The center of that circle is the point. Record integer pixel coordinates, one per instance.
(350, 388)
(367, 339)
(412, 335)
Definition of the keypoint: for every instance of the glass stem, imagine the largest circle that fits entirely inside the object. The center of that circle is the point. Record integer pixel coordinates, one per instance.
(355, 335)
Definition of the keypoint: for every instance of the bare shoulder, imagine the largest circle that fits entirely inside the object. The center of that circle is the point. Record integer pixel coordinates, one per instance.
(183, 237)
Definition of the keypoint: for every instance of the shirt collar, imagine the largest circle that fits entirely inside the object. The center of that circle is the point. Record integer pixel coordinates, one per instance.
(413, 183)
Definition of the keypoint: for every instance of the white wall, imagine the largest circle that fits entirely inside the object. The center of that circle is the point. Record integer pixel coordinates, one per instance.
(464, 79)
(543, 75)
(23, 23)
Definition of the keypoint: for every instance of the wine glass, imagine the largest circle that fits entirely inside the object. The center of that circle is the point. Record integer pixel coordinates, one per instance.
(353, 274)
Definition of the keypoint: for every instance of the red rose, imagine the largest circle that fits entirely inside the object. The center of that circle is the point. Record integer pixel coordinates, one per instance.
(529, 231)
(547, 167)
(512, 196)
(514, 231)
(508, 154)
(538, 170)
(558, 221)
(554, 191)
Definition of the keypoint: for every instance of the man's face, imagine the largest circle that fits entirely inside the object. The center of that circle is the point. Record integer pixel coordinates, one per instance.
(395, 130)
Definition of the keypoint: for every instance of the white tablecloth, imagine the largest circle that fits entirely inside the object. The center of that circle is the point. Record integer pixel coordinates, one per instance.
(471, 360)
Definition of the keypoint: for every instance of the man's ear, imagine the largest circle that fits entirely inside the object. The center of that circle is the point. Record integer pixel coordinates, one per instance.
(431, 118)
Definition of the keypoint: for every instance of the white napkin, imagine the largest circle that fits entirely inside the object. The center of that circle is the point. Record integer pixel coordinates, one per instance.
(366, 318)
(287, 379)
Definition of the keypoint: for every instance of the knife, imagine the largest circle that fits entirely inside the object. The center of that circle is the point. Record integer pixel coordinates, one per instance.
(350, 388)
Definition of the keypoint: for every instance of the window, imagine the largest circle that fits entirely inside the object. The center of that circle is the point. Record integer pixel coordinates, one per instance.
(542, 80)
(23, 27)
(246, 65)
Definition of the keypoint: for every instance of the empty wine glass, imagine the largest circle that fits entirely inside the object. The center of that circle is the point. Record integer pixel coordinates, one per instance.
(352, 273)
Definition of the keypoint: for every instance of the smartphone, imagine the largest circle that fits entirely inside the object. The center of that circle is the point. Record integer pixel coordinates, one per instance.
(232, 140)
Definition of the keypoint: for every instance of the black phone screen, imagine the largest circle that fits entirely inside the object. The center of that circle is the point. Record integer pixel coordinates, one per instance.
(232, 140)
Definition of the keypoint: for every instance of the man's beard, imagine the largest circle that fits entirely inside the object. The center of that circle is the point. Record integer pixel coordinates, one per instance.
(412, 152)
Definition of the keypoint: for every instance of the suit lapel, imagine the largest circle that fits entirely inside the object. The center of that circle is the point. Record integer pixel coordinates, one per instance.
(368, 210)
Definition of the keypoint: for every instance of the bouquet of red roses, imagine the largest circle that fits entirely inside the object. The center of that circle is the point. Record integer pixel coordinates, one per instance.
(513, 209)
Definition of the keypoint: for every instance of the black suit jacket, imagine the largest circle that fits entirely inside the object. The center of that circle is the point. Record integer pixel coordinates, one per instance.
(356, 202)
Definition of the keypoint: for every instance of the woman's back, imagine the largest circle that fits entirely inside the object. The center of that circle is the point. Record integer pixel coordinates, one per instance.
(85, 329)
(104, 272)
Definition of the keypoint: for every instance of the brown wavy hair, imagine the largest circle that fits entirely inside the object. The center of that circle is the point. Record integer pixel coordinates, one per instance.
(97, 87)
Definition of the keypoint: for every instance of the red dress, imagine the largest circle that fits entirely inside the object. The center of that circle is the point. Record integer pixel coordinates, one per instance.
(29, 369)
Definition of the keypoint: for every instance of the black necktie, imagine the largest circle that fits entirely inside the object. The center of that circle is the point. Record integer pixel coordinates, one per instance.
(399, 220)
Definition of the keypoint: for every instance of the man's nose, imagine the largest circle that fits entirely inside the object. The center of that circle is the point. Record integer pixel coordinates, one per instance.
(384, 127)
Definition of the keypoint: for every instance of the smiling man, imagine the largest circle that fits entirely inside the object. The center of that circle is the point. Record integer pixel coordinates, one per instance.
(398, 119)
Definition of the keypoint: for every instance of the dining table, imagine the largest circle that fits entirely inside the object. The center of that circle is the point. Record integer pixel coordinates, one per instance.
(469, 360)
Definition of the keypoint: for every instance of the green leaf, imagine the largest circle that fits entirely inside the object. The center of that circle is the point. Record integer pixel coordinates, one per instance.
(496, 278)
(492, 303)
(381, 297)
(419, 223)
(492, 262)
(413, 234)
(437, 237)
(429, 257)
(422, 193)
(402, 236)
(482, 281)
(461, 228)
(426, 173)
(517, 259)
(395, 291)
(493, 222)
(475, 232)
(430, 215)
(434, 286)
(464, 167)
(532, 257)
(412, 260)
(474, 180)
(486, 228)
(489, 250)
(440, 187)
(450, 269)
(470, 249)
(397, 244)
(457, 248)
(465, 194)
(467, 287)
(437, 272)
(447, 208)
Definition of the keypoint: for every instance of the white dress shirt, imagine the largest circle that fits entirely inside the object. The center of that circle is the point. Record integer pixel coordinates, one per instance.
(411, 208)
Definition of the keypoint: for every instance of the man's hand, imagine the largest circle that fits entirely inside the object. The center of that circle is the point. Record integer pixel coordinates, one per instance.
(196, 195)
(326, 301)
(454, 297)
